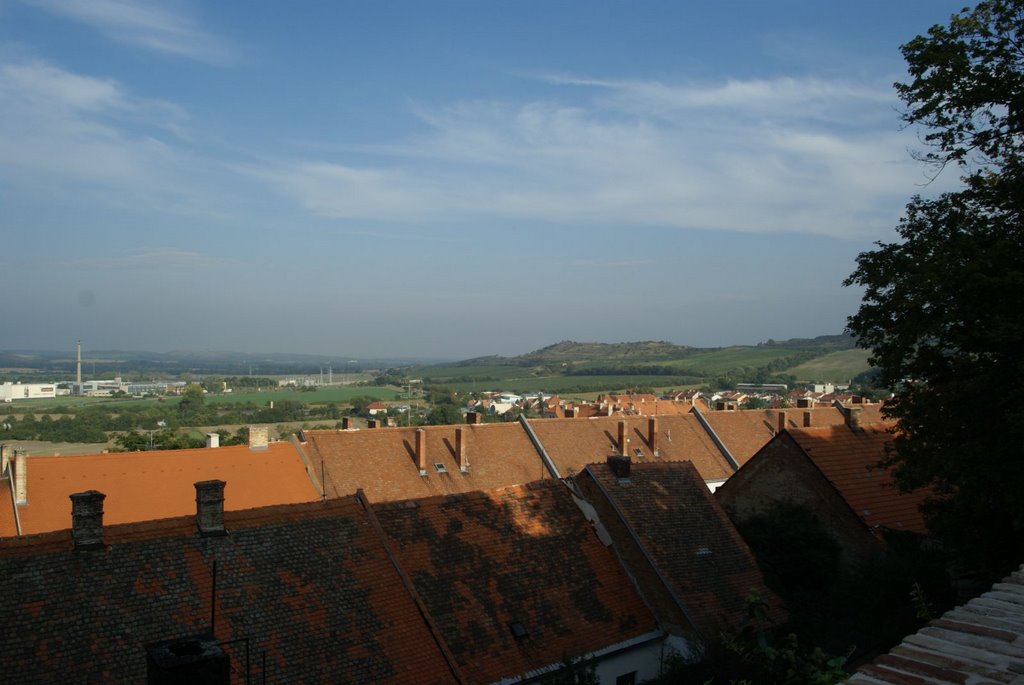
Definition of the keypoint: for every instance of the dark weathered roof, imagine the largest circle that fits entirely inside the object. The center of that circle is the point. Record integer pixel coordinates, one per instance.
(690, 540)
(489, 564)
(311, 585)
(979, 642)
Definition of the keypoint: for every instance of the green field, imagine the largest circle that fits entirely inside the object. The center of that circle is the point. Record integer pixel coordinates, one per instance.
(570, 384)
(838, 367)
(319, 396)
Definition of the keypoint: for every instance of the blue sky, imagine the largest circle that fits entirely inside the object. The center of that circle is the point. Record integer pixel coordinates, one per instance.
(446, 179)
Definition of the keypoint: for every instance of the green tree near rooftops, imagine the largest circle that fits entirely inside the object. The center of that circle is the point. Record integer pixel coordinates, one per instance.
(941, 306)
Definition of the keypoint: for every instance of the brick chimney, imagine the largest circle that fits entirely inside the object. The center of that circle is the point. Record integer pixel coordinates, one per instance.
(460, 451)
(346, 423)
(258, 439)
(20, 477)
(371, 423)
(807, 419)
(421, 450)
(782, 422)
(619, 466)
(853, 417)
(621, 441)
(803, 402)
(87, 519)
(210, 508)
(652, 433)
(212, 440)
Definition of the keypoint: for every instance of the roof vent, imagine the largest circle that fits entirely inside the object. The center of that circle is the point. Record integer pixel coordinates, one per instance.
(704, 552)
(518, 630)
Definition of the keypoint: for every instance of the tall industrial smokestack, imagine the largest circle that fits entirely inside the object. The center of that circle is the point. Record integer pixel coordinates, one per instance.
(78, 367)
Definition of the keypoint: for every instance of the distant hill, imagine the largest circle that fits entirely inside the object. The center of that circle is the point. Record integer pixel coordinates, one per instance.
(571, 366)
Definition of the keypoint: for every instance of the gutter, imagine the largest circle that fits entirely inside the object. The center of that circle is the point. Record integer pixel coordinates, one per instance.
(544, 457)
(714, 436)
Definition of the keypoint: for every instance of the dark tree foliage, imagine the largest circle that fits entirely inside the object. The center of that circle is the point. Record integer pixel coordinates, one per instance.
(942, 306)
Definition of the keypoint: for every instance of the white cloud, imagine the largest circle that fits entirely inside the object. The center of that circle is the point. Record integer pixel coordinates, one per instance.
(150, 25)
(163, 258)
(63, 131)
(807, 156)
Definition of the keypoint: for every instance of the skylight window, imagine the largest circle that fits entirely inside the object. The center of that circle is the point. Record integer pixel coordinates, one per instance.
(440, 468)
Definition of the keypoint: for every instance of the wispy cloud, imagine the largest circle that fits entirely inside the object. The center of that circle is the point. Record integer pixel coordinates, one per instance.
(805, 156)
(159, 26)
(63, 130)
(163, 258)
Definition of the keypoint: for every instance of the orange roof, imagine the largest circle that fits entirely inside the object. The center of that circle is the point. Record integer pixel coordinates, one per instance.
(382, 461)
(8, 525)
(142, 486)
(574, 443)
(485, 561)
(848, 459)
(745, 431)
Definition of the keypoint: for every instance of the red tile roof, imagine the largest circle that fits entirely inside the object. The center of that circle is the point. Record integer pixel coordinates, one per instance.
(745, 431)
(485, 561)
(574, 443)
(8, 525)
(848, 459)
(142, 486)
(310, 585)
(382, 461)
(690, 540)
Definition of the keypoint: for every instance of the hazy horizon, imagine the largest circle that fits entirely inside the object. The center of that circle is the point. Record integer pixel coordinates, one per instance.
(445, 180)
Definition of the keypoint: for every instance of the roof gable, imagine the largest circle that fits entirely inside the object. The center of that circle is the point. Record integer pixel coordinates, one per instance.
(849, 460)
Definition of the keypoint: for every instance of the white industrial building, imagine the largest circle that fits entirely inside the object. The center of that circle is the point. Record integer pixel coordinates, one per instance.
(10, 392)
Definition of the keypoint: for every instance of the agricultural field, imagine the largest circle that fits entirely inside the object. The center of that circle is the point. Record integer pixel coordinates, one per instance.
(837, 367)
(321, 395)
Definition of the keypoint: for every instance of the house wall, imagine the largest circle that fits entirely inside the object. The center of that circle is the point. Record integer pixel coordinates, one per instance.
(781, 472)
(645, 660)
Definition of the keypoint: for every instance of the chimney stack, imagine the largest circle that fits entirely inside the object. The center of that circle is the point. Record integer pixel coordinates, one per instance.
(621, 444)
(619, 466)
(210, 508)
(87, 519)
(807, 419)
(20, 477)
(78, 367)
(460, 451)
(782, 422)
(258, 439)
(652, 434)
(346, 423)
(472, 417)
(212, 440)
(803, 402)
(421, 450)
(853, 417)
